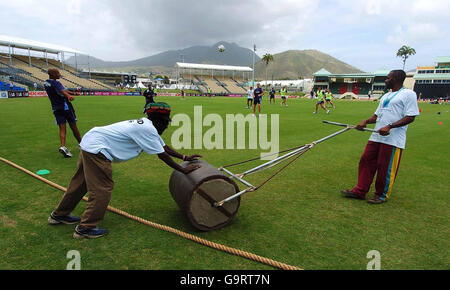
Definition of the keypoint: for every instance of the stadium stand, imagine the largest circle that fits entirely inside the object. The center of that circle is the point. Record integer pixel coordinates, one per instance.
(212, 84)
(220, 79)
(221, 84)
(6, 86)
(232, 86)
(343, 88)
(200, 84)
(37, 72)
(187, 77)
(21, 64)
(69, 73)
(360, 84)
(364, 88)
(356, 88)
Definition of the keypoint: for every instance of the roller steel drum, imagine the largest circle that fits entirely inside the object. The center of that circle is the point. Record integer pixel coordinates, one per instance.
(197, 192)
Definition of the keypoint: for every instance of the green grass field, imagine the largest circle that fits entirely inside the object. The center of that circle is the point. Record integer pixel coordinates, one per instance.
(299, 218)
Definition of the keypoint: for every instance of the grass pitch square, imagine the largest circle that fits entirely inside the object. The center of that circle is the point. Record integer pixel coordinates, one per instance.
(299, 218)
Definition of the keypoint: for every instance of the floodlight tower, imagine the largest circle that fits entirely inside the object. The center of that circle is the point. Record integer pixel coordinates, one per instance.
(253, 72)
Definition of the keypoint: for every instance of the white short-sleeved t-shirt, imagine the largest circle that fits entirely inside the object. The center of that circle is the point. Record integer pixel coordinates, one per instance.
(249, 94)
(402, 104)
(124, 140)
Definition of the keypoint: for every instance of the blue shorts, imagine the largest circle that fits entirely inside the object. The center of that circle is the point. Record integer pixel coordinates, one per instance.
(63, 116)
(320, 102)
(256, 101)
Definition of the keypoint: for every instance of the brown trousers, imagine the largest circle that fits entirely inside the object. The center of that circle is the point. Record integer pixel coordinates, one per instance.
(93, 175)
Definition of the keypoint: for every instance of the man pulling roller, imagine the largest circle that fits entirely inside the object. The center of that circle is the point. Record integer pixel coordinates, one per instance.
(99, 147)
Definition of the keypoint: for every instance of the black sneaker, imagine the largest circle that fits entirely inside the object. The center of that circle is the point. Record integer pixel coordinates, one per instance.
(94, 233)
(67, 220)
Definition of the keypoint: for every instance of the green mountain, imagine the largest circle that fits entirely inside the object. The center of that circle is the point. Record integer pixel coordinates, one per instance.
(294, 64)
(233, 55)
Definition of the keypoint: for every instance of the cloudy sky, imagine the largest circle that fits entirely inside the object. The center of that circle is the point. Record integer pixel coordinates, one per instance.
(363, 33)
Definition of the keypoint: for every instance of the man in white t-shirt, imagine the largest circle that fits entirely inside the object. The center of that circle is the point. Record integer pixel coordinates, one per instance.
(113, 143)
(249, 98)
(383, 152)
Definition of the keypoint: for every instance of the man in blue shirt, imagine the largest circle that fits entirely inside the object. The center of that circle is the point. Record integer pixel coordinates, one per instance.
(272, 95)
(62, 109)
(149, 95)
(257, 96)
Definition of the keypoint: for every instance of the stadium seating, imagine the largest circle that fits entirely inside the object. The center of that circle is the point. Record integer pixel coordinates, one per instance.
(212, 84)
(187, 77)
(364, 88)
(37, 72)
(356, 88)
(343, 89)
(335, 88)
(68, 74)
(6, 86)
(232, 86)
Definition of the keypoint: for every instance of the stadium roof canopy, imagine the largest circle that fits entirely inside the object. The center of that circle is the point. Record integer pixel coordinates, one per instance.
(382, 73)
(432, 76)
(107, 72)
(443, 59)
(324, 73)
(35, 45)
(213, 67)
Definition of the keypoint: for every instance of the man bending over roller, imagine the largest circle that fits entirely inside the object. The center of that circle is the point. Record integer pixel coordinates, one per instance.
(99, 147)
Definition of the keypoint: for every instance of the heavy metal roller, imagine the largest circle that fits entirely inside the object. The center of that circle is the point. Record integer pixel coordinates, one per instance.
(211, 199)
(197, 192)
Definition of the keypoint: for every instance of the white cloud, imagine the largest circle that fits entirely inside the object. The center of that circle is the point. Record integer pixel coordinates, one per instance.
(373, 7)
(416, 33)
(125, 30)
(73, 7)
(436, 8)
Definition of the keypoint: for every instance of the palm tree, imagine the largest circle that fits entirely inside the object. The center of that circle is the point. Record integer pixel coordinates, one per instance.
(267, 58)
(404, 52)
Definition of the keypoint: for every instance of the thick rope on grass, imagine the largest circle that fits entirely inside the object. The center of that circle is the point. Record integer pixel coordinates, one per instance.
(182, 234)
